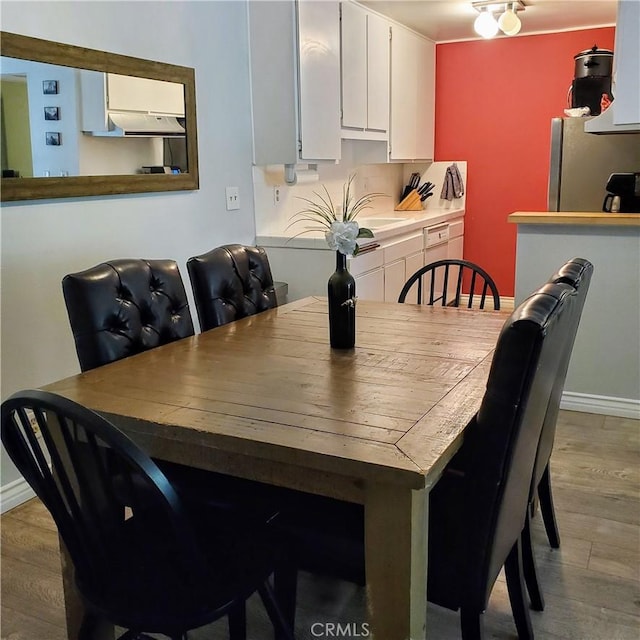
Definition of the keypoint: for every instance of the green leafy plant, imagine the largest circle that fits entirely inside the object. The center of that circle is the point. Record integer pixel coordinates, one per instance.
(339, 224)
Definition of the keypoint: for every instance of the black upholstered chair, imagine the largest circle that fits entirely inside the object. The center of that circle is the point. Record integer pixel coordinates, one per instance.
(478, 508)
(576, 273)
(231, 282)
(154, 567)
(433, 284)
(125, 306)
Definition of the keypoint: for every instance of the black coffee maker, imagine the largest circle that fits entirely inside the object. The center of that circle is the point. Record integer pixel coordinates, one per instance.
(592, 78)
(623, 193)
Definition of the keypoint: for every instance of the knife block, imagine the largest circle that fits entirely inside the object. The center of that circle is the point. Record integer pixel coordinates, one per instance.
(411, 203)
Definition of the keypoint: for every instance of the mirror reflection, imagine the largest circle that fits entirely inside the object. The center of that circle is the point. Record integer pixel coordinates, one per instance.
(76, 121)
(62, 121)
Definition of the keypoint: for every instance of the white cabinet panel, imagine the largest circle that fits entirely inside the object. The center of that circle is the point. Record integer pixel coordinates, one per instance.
(455, 248)
(394, 279)
(404, 96)
(129, 93)
(370, 285)
(412, 264)
(378, 73)
(426, 100)
(412, 95)
(627, 62)
(319, 55)
(295, 80)
(365, 73)
(354, 66)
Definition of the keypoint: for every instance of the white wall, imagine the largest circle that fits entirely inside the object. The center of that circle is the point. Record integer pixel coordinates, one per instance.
(44, 240)
(604, 373)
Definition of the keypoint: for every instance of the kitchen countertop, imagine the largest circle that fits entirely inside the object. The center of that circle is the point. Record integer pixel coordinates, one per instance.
(406, 221)
(576, 218)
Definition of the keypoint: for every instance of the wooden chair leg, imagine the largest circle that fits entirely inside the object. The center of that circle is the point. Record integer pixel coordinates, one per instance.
(282, 629)
(529, 568)
(547, 510)
(238, 622)
(516, 587)
(471, 624)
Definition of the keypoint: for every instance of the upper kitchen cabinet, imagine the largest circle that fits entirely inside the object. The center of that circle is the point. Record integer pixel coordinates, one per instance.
(627, 48)
(295, 81)
(365, 73)
(412, 95)
(624, 113)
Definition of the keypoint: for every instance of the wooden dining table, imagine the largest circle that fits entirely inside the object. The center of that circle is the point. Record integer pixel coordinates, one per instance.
(266, 398)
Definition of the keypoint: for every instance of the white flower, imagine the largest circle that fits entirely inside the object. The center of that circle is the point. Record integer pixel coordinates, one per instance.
(342, 237)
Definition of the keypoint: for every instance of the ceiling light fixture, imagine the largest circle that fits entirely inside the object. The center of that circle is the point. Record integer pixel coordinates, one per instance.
(485, 24)
(509, 23)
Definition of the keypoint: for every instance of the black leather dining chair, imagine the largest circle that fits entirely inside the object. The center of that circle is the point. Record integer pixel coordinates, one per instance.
(155, 566)
(231, 282)
(125, 306)
(432, 284)
(122, 307)
(478, 508)
(576, 273)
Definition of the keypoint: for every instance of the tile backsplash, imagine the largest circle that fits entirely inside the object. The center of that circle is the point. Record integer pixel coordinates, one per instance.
(273, 217)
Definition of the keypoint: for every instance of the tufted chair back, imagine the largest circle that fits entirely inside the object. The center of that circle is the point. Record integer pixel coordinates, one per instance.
(123, 307)
(231, 282)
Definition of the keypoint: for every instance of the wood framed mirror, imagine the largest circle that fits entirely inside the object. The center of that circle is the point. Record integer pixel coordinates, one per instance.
(54, 132)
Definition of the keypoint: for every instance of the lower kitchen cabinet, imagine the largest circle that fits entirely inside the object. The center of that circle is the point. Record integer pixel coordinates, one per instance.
(381, 273)
(370, 285)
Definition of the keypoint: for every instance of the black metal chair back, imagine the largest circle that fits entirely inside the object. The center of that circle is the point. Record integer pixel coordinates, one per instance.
(150, 566)
(442, 282)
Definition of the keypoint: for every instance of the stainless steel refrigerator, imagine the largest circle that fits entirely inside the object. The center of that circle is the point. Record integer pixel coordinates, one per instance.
(582, 162)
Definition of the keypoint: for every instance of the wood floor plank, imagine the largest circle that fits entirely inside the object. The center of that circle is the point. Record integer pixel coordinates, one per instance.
(614, 561)
(591, 584)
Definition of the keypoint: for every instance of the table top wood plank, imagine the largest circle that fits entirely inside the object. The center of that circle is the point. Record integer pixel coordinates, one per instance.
(269, 387)
(438, 435)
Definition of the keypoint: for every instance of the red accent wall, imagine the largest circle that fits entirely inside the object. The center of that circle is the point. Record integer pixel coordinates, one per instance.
(494, 104)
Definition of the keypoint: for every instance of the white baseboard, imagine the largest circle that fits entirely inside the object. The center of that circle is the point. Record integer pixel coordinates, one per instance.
(607, 405)
(14, 494)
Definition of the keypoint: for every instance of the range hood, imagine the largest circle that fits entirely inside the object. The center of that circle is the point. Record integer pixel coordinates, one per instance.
(604, 124)
(140, 125)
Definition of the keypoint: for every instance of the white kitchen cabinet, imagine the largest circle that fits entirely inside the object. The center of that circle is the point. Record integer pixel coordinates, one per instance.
(101, 93)
(412, 95)
(365, 73)
(370, 285)
(627, 61)
(396, 270)
(380, 274)
(129, 93)
(455, 245)
(412, 264)
(367, 269)
(295, 81)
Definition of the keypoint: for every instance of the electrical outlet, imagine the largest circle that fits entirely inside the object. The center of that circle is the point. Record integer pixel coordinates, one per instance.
(233, 198)
(277, 195)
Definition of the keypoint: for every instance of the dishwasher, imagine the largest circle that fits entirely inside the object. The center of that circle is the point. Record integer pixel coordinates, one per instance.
(436, 247)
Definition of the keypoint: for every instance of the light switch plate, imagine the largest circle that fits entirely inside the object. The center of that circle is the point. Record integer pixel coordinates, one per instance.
(233, 198)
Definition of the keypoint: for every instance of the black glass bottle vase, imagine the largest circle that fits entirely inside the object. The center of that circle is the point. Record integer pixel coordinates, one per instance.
(342, 306)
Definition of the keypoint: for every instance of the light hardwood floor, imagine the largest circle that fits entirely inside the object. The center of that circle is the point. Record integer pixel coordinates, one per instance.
(591, 584)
